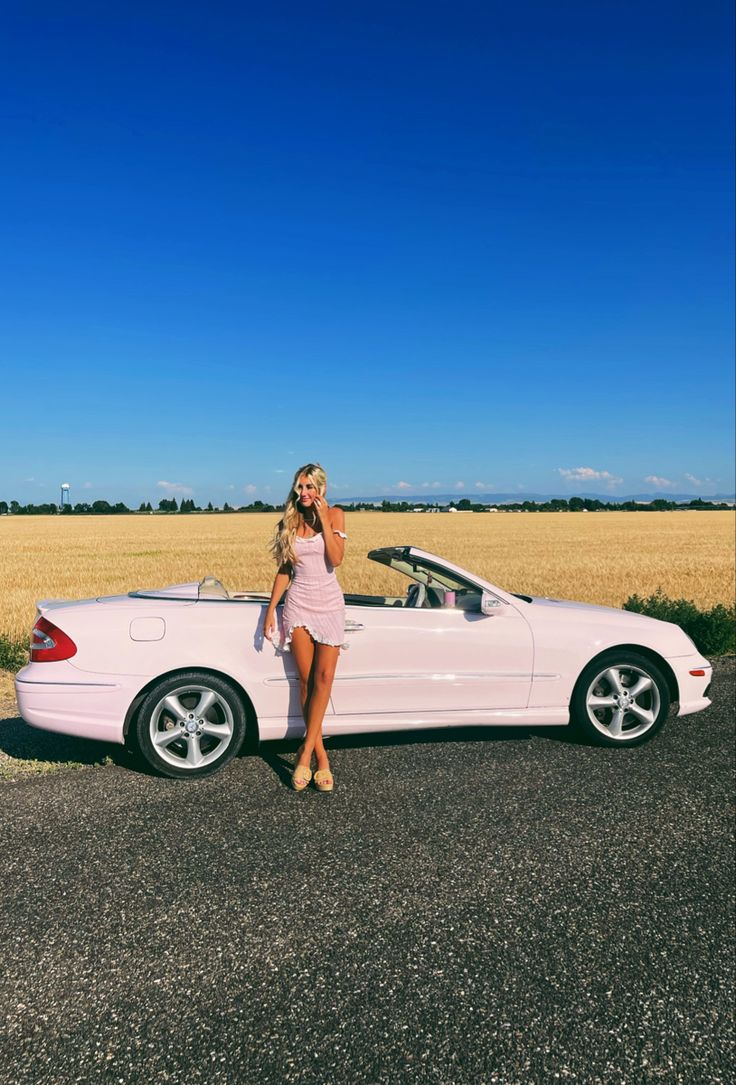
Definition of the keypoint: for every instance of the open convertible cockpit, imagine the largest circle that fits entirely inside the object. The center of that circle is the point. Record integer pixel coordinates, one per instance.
(432, 585)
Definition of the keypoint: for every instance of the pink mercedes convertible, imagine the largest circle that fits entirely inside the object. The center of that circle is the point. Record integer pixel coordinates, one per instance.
(185, 674)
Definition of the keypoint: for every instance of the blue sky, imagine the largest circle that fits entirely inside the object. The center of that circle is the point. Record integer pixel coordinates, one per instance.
(472, 246)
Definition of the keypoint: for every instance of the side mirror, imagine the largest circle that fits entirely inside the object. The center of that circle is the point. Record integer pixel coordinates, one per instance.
(490, 605)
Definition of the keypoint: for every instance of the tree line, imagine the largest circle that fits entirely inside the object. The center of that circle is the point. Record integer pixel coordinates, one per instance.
(170, 505)
(105, 508)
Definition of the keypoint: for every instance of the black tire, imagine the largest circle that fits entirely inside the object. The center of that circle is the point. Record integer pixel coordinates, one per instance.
(609, 716)
(206, 735)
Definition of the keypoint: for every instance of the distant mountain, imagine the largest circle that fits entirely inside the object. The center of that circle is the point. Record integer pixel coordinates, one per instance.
(510, 498)
(679, 497)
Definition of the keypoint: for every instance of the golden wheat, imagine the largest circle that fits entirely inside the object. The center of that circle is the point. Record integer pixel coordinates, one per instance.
(594, 557)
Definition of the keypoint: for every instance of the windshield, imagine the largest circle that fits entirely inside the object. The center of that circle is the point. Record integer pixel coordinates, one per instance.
(423, 569)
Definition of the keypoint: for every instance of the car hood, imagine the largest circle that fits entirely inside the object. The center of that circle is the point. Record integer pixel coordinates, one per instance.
(592, 608)
(668, 638)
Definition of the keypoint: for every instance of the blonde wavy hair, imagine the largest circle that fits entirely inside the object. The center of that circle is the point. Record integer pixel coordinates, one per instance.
(282, 545)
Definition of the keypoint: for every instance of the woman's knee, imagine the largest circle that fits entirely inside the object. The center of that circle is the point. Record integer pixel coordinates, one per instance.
(323, 677)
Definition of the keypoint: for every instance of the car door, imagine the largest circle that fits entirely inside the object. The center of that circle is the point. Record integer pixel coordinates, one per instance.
(402, 659)
(233, 633)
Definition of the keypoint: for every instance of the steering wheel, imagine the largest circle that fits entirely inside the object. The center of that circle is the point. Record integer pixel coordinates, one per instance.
(416, 595)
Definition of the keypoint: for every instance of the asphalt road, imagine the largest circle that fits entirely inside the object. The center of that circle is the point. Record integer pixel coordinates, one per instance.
(465, 907)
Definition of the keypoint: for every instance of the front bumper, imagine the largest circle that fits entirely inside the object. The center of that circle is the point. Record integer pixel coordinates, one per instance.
(692, 688)
(55, 697)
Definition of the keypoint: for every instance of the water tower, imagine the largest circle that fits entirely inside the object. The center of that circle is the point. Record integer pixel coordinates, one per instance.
(66, 498)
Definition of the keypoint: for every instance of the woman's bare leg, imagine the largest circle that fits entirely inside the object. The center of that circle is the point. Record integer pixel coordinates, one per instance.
(302, 649)
(323, 673)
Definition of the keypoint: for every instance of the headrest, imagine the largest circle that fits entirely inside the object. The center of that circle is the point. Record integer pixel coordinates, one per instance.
(212, 587)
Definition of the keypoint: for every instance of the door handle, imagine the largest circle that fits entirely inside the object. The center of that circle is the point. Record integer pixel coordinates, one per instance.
(353, 627)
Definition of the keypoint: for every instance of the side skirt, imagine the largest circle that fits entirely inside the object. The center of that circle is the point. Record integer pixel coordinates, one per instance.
(362, 723)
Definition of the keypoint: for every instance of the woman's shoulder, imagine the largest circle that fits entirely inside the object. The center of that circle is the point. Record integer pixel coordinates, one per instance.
(337, 517)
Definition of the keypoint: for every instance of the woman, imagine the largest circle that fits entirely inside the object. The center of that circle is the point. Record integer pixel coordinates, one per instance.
(309, 542)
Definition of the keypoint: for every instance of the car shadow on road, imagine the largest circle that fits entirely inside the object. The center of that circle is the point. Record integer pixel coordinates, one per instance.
(21, 743)
(279, 754)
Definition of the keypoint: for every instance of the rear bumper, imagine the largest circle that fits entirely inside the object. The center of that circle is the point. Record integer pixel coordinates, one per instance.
(53, 697)
(692, 688)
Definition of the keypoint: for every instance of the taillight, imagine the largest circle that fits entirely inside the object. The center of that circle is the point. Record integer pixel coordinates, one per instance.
(49, 643)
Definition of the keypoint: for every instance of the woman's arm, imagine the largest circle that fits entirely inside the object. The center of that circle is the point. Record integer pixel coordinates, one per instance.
(332, 520)
(280, 584)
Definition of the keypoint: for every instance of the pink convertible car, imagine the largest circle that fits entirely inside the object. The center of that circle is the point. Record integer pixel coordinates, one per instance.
(184, 671)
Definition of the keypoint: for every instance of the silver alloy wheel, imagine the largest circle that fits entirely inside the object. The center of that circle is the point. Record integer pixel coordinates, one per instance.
(623, 702)
(191, 727)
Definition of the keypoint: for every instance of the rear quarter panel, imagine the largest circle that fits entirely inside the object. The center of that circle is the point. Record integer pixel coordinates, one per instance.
(221, 636)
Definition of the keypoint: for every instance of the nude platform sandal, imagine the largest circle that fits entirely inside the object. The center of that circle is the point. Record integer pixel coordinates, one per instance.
(300, 777)
(323, 780)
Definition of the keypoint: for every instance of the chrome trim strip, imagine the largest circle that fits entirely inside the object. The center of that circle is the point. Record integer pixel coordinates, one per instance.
(427, 677)
(421, 677)
(29, 682)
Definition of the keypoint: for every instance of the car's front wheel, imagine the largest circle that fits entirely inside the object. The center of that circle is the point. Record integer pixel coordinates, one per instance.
(620, 699)
(190, 725)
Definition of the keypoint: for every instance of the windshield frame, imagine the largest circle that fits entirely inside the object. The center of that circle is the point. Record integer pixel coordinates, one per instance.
(430, 569)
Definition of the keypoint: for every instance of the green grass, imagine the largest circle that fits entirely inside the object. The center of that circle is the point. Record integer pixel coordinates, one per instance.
(14, 768)
(13, 653)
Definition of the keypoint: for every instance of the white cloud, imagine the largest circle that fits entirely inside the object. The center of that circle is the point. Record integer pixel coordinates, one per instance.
(175, 488)
(278, 471)
(230, 487)
(86, 485)
(31, 479)
(659, 482)
(403, 485)
(251, 488)
(707, 481)
(484, 485)
(436, 485)
(460, 485)
(588, 474)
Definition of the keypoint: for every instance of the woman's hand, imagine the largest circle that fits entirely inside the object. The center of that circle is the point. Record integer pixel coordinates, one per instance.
(323, 510)
(269, 624)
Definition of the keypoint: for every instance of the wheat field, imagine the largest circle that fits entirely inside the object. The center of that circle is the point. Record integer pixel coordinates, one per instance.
(593, 557)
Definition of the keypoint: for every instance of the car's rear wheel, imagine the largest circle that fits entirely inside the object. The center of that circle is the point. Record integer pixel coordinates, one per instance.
(190, 725)
(620, 699)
